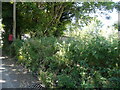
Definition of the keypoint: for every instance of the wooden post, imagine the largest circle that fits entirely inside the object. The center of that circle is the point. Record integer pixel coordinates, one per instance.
(119, 35)
(119, 25)
(14, 20)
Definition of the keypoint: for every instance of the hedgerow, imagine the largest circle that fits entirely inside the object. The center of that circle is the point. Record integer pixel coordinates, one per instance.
(88, 62)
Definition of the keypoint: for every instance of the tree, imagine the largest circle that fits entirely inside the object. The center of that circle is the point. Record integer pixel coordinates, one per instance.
(50, 18)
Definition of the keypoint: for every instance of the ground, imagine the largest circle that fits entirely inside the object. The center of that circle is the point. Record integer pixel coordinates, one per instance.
(13, 75)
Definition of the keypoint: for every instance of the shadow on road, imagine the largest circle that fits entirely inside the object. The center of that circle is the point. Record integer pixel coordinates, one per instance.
(15, 76)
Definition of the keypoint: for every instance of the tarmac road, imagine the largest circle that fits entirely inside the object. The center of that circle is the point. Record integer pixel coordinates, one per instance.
(13, 75)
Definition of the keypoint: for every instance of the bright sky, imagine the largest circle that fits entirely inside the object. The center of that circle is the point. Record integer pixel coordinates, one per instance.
(109, 22)
(113, 18)
(115, 0)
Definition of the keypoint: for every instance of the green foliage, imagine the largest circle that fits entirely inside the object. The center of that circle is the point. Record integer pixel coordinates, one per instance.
(7, 21)
(15, 47)
(35, 50)
(50, 18)
(86, 62)
(43, 19)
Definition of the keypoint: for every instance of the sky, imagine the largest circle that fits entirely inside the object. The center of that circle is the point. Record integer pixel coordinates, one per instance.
(115, 0)
(109, 22)
(113, 18)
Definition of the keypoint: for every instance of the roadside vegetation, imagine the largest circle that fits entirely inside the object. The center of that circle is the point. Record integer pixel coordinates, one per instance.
(85, 61)
(79, 57)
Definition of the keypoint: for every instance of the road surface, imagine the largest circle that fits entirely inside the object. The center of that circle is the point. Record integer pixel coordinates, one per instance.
(13, 75)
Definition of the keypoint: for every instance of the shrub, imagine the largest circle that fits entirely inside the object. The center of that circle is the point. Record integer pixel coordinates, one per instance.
(87, 62)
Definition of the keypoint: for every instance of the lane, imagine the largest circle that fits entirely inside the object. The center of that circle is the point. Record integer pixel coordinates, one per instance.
(0, 74)
(0, 65)
(6, 76)
(14, 75)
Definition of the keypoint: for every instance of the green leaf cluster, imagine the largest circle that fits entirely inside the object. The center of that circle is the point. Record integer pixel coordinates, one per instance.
(89, 62)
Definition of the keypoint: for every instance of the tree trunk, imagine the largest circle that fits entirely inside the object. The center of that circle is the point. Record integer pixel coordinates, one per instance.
(14, 21)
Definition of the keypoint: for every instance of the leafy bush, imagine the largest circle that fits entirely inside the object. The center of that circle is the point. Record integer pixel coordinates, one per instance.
(83, 62)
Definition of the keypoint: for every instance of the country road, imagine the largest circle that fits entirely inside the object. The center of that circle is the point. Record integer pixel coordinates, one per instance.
(13, 75)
